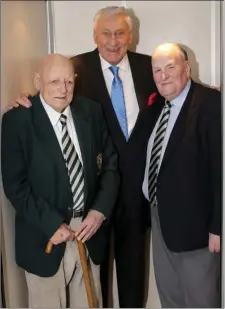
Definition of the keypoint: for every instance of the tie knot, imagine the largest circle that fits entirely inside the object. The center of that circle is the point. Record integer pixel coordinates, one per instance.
(168, 104)
(114, 69)
(63, 119)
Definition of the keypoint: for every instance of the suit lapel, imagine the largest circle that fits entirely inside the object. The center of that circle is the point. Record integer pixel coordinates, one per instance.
(181, 124)
(46, 132)
(82, 126)
(137, 79)
(46, 136)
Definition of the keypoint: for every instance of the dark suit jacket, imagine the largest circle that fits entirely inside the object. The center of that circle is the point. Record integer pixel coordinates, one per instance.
(189, 180)
(36, 182)
(90, 83)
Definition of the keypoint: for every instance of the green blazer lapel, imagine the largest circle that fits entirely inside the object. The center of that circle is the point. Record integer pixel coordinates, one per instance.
(81, 123)
(46, 136)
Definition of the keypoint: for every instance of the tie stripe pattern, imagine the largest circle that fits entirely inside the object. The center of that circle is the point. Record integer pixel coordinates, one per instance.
(74, 167)
(156, 152)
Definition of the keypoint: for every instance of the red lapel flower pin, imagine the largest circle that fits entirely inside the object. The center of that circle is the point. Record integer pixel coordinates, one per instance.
(152, 98)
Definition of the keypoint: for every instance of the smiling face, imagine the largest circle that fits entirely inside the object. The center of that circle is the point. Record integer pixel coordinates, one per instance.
(171, 71)
(112, 36)
(55, 81)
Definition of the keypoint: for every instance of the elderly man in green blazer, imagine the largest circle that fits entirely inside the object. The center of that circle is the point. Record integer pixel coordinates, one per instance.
(59, 171)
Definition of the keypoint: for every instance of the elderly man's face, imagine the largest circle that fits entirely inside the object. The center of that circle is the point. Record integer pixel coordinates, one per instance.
(56, 83)
(170, 71)
(112, 36)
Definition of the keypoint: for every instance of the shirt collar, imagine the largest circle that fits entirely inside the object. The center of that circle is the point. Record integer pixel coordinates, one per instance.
(53, 114)
(179, 101)
(123, 65)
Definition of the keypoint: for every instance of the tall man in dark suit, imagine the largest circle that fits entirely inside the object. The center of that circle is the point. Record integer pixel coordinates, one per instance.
(59, 171)
(183, 185)
(121, 81)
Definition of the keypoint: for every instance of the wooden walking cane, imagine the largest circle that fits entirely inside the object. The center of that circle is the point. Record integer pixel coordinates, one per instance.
(84, 265)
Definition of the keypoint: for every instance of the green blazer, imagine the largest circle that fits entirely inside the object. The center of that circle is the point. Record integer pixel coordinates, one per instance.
(36, 182)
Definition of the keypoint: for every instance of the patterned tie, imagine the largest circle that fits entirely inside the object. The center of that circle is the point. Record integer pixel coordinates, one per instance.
(74, 167)
(156, 152)
(118, 102)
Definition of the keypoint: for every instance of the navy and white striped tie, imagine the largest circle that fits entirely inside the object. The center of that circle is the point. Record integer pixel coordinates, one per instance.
(156, 152)
(74, 167)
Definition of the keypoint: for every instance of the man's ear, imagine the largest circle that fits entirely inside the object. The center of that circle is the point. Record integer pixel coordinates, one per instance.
(94, 36)
(188, 69)
(131, 37)
(37, 81)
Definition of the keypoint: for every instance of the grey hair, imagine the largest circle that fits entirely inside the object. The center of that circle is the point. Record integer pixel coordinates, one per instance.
(110, 11)
(182, 51)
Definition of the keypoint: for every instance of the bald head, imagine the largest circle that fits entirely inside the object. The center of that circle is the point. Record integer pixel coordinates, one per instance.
(170, 47)
(55, 81)
(171, 70)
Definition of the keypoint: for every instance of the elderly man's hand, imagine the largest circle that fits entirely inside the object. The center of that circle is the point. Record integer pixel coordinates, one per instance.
(61, 235)
(21, 99)
(89, 226)
(214, 243)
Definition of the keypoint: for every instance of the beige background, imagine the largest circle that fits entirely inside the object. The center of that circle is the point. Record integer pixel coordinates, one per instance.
(23, 43)
(25, 40)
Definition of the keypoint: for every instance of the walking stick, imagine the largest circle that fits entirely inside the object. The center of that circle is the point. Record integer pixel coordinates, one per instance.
(84, 265)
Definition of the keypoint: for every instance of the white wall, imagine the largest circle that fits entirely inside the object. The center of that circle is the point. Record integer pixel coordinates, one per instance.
(195, 24)
(23, 43)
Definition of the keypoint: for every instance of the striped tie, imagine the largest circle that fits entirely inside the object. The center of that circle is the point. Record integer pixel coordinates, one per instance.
(156, 152)
(74, 167)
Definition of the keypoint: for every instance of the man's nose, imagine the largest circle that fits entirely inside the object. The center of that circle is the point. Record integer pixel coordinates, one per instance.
(164, 75)
(63, 88)
(113, 40)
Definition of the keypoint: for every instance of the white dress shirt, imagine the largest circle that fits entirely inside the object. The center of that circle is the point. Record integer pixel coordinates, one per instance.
(177, 104)
(57, 126)
(131, 103)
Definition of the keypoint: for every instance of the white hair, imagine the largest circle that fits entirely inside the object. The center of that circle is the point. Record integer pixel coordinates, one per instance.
(110, 11)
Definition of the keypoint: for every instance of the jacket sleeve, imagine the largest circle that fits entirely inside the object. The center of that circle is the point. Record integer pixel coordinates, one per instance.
(15, 177)
(214, 137)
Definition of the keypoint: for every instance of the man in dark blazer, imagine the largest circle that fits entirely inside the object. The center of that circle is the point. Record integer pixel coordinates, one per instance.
(112, 34)
(183, 185)
(59, 171)
(131, 218)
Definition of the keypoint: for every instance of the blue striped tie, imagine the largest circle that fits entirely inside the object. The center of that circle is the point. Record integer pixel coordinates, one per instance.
(118, 102)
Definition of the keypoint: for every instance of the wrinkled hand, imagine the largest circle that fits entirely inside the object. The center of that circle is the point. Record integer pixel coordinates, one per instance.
(62, 234)
(214, 243)
(89, 226)
(21, 99)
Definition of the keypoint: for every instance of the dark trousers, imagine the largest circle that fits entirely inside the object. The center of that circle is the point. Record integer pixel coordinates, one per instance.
(129, 250)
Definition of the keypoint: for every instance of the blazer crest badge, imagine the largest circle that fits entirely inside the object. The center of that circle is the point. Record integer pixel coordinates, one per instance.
(99, 161)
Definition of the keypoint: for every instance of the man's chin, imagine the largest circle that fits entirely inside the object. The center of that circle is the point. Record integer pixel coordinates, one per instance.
(114, 58)
(168, 95)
